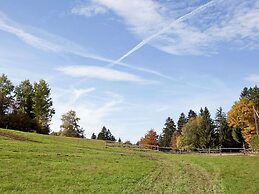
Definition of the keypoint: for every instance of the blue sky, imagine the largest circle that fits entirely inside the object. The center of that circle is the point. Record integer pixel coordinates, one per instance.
(129, 64)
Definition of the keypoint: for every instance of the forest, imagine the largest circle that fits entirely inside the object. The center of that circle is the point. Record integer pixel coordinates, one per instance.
(29, 107)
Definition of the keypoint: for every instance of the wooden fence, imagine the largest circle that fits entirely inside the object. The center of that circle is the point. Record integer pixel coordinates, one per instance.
(146, 147)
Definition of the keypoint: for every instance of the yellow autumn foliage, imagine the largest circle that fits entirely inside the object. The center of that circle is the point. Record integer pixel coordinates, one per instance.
(241, 116)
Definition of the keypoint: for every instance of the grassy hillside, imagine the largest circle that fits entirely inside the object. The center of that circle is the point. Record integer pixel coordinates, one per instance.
(33, 163)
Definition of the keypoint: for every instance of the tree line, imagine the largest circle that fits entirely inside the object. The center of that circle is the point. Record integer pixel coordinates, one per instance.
(26, 107)
(237, 128)
(29, 107)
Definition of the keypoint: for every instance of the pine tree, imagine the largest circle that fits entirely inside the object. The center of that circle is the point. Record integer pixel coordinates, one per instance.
(208, 128)
(101, 135)
(24, 93)
(252, 94)
(42, 106)
(70, 126)
(106, 134)
(225, 138)
(181, 122)
(6, 95)
(169, 129)
(119, 140)
(191, 115)
(93, 136)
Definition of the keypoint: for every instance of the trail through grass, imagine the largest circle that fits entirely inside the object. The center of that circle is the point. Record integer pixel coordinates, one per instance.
(36, 163)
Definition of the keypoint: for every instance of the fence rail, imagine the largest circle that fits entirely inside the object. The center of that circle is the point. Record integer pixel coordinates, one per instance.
(146, 147)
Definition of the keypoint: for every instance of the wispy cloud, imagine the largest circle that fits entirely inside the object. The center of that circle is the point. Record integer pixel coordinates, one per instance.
(254, 78)
(92, 114)
(89, 10)
(164, 30)
(202, 31)
(101, 73)
(52, 43)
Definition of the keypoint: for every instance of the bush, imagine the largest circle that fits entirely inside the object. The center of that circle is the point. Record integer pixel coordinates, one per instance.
(254, 142)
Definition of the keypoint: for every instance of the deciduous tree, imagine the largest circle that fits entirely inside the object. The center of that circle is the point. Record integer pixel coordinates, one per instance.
(151, 138)
(6, 94)
(193, 135)
(70, 125)
(241, 116)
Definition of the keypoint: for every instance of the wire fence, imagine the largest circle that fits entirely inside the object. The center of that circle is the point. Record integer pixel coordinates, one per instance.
(220, 151)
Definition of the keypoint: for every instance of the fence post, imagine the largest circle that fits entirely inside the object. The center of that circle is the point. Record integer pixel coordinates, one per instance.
(244, 149)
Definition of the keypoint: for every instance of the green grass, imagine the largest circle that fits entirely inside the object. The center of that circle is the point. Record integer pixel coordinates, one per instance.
(52, 164)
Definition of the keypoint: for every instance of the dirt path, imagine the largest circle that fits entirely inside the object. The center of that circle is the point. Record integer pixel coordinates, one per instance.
(16, 137)
(178, 176)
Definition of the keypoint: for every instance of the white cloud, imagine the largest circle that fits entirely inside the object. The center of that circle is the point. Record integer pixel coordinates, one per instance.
(92, 115)
(53, 43)
(253, 78)
(138, 15)
(78, 93)
(101, 73)
(233, 22)
(89, 10)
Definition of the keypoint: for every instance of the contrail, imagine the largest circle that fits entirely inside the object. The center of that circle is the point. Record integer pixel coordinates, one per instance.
(58, 44)
(163, 30)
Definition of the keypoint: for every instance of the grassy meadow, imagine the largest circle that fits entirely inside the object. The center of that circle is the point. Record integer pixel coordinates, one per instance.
(33, 163)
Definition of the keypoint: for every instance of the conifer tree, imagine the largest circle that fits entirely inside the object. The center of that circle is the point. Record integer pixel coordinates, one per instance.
(191, 114)
(225, 138)
(42, 106)
(106, 134)
(181, 122)
(93, 136)
(23, 94)
(169, 129)
(208, 127)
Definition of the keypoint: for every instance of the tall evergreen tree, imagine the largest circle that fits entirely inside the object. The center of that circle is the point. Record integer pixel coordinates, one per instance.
(42, 106)
(169, 129)
(93, 136)
(106, 134)
(207, 127)
(252, 94)
(225, 138)
(181, 122)
(101, 135)
(191, 114)
(6, 95)
(23, 94)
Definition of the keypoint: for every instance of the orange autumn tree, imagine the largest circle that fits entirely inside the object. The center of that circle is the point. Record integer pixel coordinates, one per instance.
(241, 116)
(151, 138)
